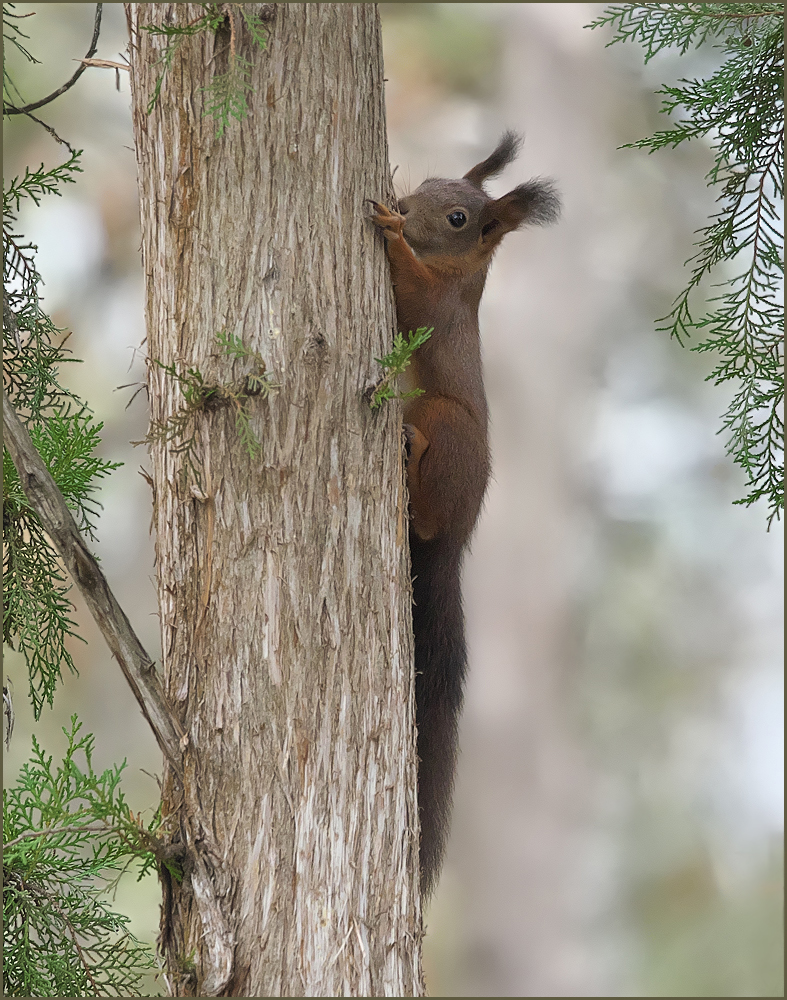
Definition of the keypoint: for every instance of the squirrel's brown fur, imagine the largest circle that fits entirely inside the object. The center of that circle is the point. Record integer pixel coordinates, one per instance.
(440, 243)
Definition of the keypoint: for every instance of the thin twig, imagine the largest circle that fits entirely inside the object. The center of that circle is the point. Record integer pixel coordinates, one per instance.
(54, 831)
(57, 521)
(9, 109)
(56, 906)
(51, 131)
(740, 17)
(107, 64)
(10, 321)
(17, 263)
(103, 64)
(8, 712)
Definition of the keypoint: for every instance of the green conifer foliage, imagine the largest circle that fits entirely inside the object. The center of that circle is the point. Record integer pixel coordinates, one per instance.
(36, 610)
(739, 110)
(68, 832)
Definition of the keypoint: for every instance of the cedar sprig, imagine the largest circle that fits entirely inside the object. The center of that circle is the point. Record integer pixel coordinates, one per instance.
(739, 111)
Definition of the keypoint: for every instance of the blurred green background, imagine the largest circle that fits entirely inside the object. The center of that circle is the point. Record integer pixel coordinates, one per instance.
(618, 824)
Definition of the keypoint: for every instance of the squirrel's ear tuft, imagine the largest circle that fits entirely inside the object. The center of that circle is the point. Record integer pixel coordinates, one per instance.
(539, 200)
(506, 152)
(535, 203)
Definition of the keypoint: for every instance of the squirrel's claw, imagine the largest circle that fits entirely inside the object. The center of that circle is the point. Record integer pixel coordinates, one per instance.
(390, 223)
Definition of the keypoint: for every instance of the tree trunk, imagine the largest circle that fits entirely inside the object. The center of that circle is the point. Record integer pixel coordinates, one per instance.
(283, 577)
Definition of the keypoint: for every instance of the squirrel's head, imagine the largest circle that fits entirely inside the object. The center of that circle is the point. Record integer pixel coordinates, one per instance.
(456, 222)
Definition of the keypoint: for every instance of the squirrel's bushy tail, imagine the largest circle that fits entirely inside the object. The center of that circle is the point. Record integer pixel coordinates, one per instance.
(440, 666)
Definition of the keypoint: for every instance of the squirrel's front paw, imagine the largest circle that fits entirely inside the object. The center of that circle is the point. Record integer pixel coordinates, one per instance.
(390, 223)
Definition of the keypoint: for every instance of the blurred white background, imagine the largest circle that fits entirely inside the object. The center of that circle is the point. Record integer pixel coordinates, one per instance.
(618, 823)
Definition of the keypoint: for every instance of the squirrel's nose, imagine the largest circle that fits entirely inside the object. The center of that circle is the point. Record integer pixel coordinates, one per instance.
(404, 208)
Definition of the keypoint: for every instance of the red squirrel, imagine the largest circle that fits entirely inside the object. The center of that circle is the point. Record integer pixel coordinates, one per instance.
(440, 243)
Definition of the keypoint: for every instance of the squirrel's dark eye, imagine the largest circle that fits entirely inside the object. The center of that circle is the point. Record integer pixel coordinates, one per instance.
(457, 219)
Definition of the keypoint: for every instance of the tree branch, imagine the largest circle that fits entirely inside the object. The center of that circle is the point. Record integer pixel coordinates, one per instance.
(9, 109)
(55, 517)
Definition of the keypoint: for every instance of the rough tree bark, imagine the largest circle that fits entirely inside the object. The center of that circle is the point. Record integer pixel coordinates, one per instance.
(283, 579)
